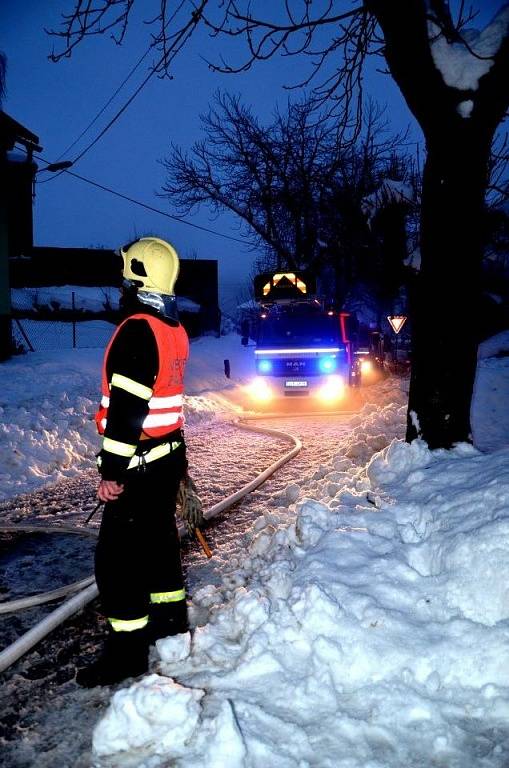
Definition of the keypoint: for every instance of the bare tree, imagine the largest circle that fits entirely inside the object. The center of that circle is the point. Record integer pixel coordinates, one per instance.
(458, 111)
(296, 188)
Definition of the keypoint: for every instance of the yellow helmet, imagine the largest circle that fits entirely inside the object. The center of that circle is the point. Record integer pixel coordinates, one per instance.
(151, 264)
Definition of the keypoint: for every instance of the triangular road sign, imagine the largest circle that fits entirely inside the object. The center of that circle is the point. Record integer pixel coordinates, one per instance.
(397, 322)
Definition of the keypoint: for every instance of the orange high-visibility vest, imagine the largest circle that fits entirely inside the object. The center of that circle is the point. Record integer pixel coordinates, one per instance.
(166, 403)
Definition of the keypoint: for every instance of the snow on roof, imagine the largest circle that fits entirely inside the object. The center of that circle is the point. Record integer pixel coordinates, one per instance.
(91, 299)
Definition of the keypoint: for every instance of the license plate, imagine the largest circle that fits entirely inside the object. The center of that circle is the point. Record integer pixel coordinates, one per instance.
(296, 383)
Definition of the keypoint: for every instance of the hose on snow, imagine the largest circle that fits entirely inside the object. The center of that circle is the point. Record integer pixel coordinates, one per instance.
(27, 641)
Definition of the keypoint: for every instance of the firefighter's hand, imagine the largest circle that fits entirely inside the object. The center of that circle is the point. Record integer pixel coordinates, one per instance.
(109, 490)
(191, 507)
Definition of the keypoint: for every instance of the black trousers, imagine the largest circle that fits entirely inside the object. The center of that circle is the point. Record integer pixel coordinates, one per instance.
(138, 550)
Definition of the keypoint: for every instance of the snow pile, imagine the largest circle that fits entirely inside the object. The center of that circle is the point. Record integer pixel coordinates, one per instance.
(371, 630)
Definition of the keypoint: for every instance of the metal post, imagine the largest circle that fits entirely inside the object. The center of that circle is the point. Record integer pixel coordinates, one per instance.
(23, 333)
(73, 322)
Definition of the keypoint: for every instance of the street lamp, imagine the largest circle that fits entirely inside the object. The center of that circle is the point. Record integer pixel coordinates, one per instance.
(62, 166)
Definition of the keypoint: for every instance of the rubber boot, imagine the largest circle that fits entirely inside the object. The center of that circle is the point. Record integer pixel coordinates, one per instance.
(125, 654)
(167, 619)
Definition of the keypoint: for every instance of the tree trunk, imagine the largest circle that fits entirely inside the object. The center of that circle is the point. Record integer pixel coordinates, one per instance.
(446, 300)
(447, 292)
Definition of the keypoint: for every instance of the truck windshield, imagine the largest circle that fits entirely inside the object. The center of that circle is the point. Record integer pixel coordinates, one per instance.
(310, 330)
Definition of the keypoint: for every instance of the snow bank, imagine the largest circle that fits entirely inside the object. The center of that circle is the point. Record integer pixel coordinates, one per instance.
(367, 626)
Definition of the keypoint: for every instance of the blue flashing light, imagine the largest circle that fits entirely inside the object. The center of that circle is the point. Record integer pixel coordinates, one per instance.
(264, 366)
(327, 364)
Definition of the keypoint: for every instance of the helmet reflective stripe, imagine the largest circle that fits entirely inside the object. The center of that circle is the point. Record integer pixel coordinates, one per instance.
(128, 625)
(168, 597)
(174, 401)
(131, 386)
(118, 448)
(161, 419)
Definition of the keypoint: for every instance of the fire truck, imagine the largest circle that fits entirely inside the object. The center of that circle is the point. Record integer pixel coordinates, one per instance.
(302, 346)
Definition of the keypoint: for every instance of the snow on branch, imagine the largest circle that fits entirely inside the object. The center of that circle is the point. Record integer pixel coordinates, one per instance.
(464, 60)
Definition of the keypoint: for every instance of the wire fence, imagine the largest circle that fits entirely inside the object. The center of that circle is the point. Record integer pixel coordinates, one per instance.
(60, 317)
(82, 317)
(32, 335)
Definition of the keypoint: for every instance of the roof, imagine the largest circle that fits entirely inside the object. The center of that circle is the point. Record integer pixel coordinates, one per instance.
(12, 132)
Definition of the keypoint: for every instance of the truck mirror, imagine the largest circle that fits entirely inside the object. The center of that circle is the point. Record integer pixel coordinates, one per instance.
(227, 368)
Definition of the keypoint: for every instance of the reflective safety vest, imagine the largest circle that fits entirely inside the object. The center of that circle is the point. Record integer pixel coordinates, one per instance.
(166, 398)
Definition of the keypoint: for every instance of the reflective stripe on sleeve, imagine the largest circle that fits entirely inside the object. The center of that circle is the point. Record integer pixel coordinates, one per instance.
(160, 419)
(120, 449)
(172, 401)
(122, 625)
(168, 597)
(131, 386)
(105, 401)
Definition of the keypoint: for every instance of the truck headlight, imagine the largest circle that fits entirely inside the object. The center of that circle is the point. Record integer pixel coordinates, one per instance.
(260, 390)
(333, 389)
(366, 366)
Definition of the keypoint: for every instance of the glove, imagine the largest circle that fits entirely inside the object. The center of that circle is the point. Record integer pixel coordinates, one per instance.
(191, 507)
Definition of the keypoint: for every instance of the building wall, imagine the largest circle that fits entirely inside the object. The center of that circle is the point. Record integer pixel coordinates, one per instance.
(45, 266)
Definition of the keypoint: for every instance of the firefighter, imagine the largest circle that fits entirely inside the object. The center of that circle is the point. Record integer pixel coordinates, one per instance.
(142, 462)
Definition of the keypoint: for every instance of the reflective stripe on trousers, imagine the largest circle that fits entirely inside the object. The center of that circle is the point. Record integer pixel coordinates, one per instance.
(168, 597)
(129, 625)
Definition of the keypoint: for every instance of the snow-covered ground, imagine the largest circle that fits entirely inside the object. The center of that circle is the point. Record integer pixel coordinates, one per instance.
(367, 625)
(47, 402)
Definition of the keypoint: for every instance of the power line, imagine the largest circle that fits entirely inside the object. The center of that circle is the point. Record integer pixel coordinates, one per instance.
(113, 119)
(166, 58)
(98, 115)
(148, 207)
(179, 39)
(91, 123)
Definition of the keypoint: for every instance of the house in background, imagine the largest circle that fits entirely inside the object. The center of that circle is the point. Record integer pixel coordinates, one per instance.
(23, 265)
(50, 266)
(17, 172)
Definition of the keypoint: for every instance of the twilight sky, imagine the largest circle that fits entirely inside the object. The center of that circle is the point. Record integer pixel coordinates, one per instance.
(57, 101)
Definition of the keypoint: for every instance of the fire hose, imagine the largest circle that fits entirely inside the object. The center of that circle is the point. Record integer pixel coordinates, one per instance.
(86, 588)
